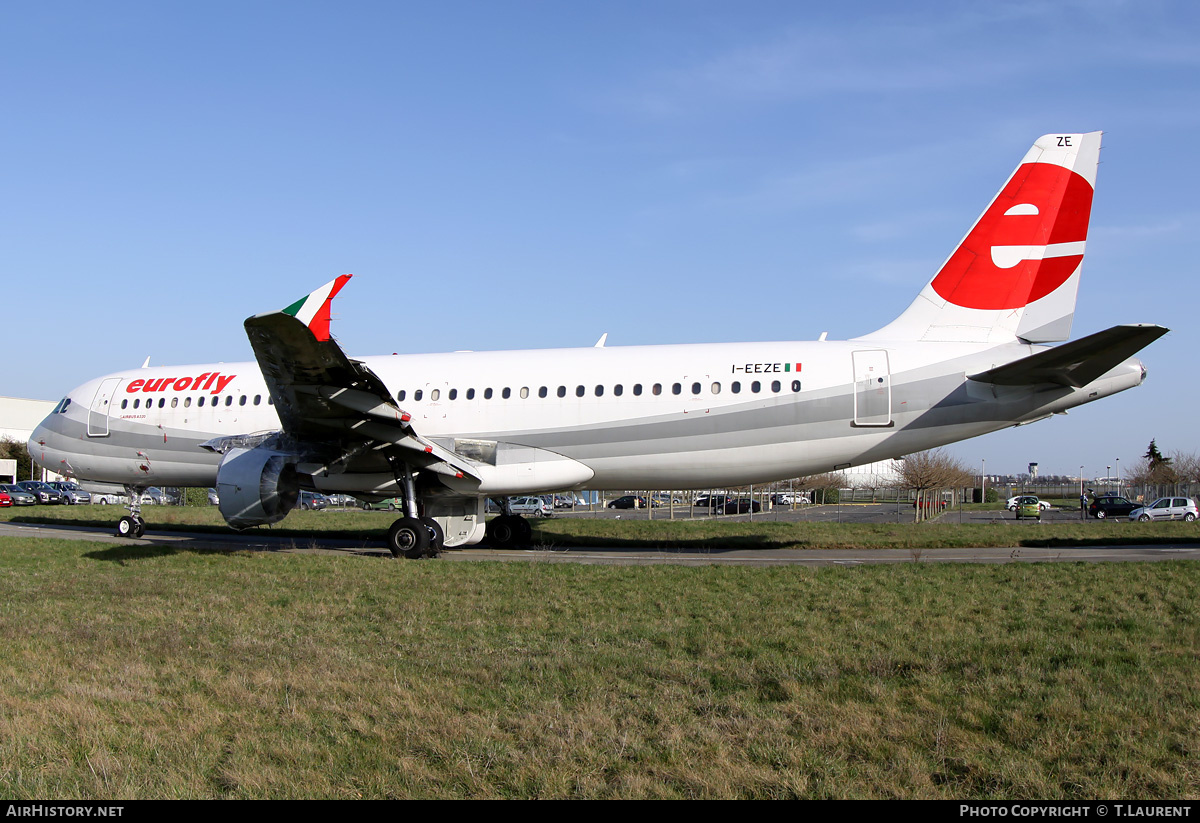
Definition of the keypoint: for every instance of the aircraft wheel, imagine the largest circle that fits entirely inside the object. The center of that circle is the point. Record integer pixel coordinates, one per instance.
(437, 537)
(501, 532)
(130, 527)
(524, 532)
(408, 537)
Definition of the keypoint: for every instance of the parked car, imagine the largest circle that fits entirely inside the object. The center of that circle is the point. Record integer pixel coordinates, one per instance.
(742, 506)
(391, 504)
(155, 496)
(789, 498)
(44, 492)
(568, 500)
(710, 501)
(5, 500)
(214, 499)
(72, 493)
(536, 506)
(629, 501)
(1167, 508)
(1012, 502)
(1111, 505)
(18, 495)
(109, 499)
(311, 501)
(1028, 505)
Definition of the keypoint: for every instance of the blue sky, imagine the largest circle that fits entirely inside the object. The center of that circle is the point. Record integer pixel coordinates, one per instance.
(532, 174)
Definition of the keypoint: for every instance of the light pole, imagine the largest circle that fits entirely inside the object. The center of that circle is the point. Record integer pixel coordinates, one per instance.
(1108, 476)
(983, 482)
(1082, 497)
(1118, 475)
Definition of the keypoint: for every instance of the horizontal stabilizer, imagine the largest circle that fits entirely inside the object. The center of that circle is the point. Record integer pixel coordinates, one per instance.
(1076, 363)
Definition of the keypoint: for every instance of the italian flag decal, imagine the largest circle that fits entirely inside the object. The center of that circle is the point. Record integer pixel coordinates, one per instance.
(313, 311)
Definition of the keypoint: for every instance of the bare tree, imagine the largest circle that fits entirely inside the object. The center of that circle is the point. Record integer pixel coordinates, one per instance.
(821, 485)
(931, 471)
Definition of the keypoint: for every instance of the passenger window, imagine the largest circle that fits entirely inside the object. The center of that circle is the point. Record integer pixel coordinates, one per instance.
(735, 387)
(676, 388)
(795, 385)
(434, 394)
(756, 387)
(657, 389)
(125, 403)
(417, 395)
(562, 391)
(162, 401)
(776, 386)
(470, 394)
(542, 391)
(487, 394)
(580, 391)
(695, 388)
(174, 402)
(716, 388)
(257, 399)
(599, 391)
(137, 402)
(242, 400)
(507, 393)
(524, 392)
(187, 402)
(229, 400)
(199, 402)
(400, 395)
(637, 389)
(617, 390)
(453, 394)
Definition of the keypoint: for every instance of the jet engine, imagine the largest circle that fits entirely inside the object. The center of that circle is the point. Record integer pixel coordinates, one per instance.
(256, 486)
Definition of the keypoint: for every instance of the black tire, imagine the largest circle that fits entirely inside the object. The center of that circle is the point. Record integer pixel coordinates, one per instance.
(1189, 517)
(408, 537)
(501, 531)
(1101, 514)
(130, 526)
(1145, 518)
(366, 507)
(437, 537)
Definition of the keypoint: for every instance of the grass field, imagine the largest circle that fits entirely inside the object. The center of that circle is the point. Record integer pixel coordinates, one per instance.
(145, 672)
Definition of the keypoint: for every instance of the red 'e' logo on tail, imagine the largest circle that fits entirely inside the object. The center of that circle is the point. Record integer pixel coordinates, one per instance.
(1026, 245)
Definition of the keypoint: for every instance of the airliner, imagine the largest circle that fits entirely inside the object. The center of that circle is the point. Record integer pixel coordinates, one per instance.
(444, 432)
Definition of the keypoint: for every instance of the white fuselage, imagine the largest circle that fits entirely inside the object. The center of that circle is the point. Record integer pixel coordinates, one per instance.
(683, 416)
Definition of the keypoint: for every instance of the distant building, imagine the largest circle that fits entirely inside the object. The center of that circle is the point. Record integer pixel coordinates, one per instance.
(872, 475)
(20, 416)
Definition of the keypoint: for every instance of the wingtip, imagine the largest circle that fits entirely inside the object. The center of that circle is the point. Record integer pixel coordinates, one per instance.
(313, 309)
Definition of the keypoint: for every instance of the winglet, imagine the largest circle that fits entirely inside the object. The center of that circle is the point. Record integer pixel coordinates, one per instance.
(313, 310)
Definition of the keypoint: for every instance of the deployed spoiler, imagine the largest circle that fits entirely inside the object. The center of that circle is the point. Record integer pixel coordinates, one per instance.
(1076, 363)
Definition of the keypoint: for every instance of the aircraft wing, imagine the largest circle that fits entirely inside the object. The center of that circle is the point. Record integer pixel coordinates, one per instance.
(321, 394)
(1076, 363)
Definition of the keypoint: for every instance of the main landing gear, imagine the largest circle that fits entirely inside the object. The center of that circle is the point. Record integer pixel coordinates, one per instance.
(508, 530)
(413, 536)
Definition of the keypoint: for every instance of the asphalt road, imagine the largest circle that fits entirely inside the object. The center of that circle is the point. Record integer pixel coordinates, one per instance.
(261, 541)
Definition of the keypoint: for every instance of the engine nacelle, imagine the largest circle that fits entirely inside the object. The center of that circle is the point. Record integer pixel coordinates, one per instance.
(256, 486)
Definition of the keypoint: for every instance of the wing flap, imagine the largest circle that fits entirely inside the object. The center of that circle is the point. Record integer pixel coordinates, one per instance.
(1077, 363)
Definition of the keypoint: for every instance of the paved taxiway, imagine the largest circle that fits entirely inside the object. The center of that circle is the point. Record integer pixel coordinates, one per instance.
(259, 541)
